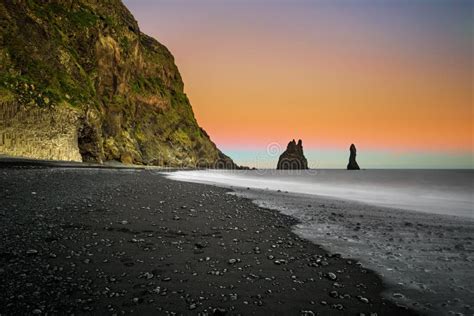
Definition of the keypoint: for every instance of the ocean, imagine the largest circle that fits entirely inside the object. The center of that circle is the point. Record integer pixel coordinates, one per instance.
(447, 192)
(413, 227)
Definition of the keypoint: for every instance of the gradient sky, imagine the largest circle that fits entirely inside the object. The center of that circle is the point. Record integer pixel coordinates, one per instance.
(393, 77)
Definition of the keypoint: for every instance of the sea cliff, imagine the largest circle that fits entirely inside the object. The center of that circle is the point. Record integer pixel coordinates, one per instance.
(79, 81)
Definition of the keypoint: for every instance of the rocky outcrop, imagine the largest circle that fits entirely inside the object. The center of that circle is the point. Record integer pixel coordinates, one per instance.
(293, 157)
(352, 165)
(79, 81)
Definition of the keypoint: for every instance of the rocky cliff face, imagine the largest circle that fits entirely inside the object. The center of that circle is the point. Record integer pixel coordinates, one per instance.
(293, 157)
(79, 81)
(353, 165)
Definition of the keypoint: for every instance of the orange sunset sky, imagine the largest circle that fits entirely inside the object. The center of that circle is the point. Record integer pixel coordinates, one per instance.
(390, 76)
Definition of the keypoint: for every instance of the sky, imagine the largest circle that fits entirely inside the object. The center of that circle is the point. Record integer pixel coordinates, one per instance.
(393, 77)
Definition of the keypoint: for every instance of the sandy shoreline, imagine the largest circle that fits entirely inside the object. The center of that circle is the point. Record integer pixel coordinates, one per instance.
(131, 241)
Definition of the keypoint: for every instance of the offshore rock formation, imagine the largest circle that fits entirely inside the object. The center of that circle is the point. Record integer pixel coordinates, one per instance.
(79, 81)
(293, 157)
(352, 165)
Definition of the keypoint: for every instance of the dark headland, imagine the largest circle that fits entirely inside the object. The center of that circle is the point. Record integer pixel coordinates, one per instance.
(130, 241)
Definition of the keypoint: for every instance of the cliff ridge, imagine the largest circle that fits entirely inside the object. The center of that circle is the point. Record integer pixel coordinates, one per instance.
(80, 81)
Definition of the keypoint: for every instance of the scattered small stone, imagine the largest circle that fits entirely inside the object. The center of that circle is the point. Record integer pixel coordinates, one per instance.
(363, 299)
(334, 294)
(338, 306)
(32, 252)
(199, 245)
(219, 311)
(331, 276)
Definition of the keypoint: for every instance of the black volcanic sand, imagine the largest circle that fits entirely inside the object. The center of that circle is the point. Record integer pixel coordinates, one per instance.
(91, 241)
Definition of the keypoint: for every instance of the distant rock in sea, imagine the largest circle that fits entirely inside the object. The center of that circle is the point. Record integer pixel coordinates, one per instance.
(293, 157)
(352, 165)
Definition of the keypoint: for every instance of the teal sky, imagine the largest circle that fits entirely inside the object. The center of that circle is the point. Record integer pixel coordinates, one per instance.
(337, 159)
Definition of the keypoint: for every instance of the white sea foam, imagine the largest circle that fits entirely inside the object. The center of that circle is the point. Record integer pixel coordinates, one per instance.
(432, 191)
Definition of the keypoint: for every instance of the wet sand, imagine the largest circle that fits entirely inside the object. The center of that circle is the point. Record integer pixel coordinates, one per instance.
(104, 241)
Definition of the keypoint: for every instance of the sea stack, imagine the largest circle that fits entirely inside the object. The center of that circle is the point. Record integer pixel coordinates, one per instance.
(352, 165)
(293, 157)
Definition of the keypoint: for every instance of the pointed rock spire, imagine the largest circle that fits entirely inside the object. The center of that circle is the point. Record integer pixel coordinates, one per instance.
(352, 165)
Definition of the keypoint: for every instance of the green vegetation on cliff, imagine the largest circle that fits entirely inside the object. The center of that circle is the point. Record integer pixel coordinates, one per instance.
(89, 56)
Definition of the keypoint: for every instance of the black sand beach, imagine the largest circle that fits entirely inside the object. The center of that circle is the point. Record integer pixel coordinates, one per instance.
(105, 241)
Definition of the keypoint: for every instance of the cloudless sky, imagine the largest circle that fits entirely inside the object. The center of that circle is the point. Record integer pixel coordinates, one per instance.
(393, 77)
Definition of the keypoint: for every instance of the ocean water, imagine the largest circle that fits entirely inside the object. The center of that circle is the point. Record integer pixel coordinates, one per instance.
(433, 191)
(413, 227)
